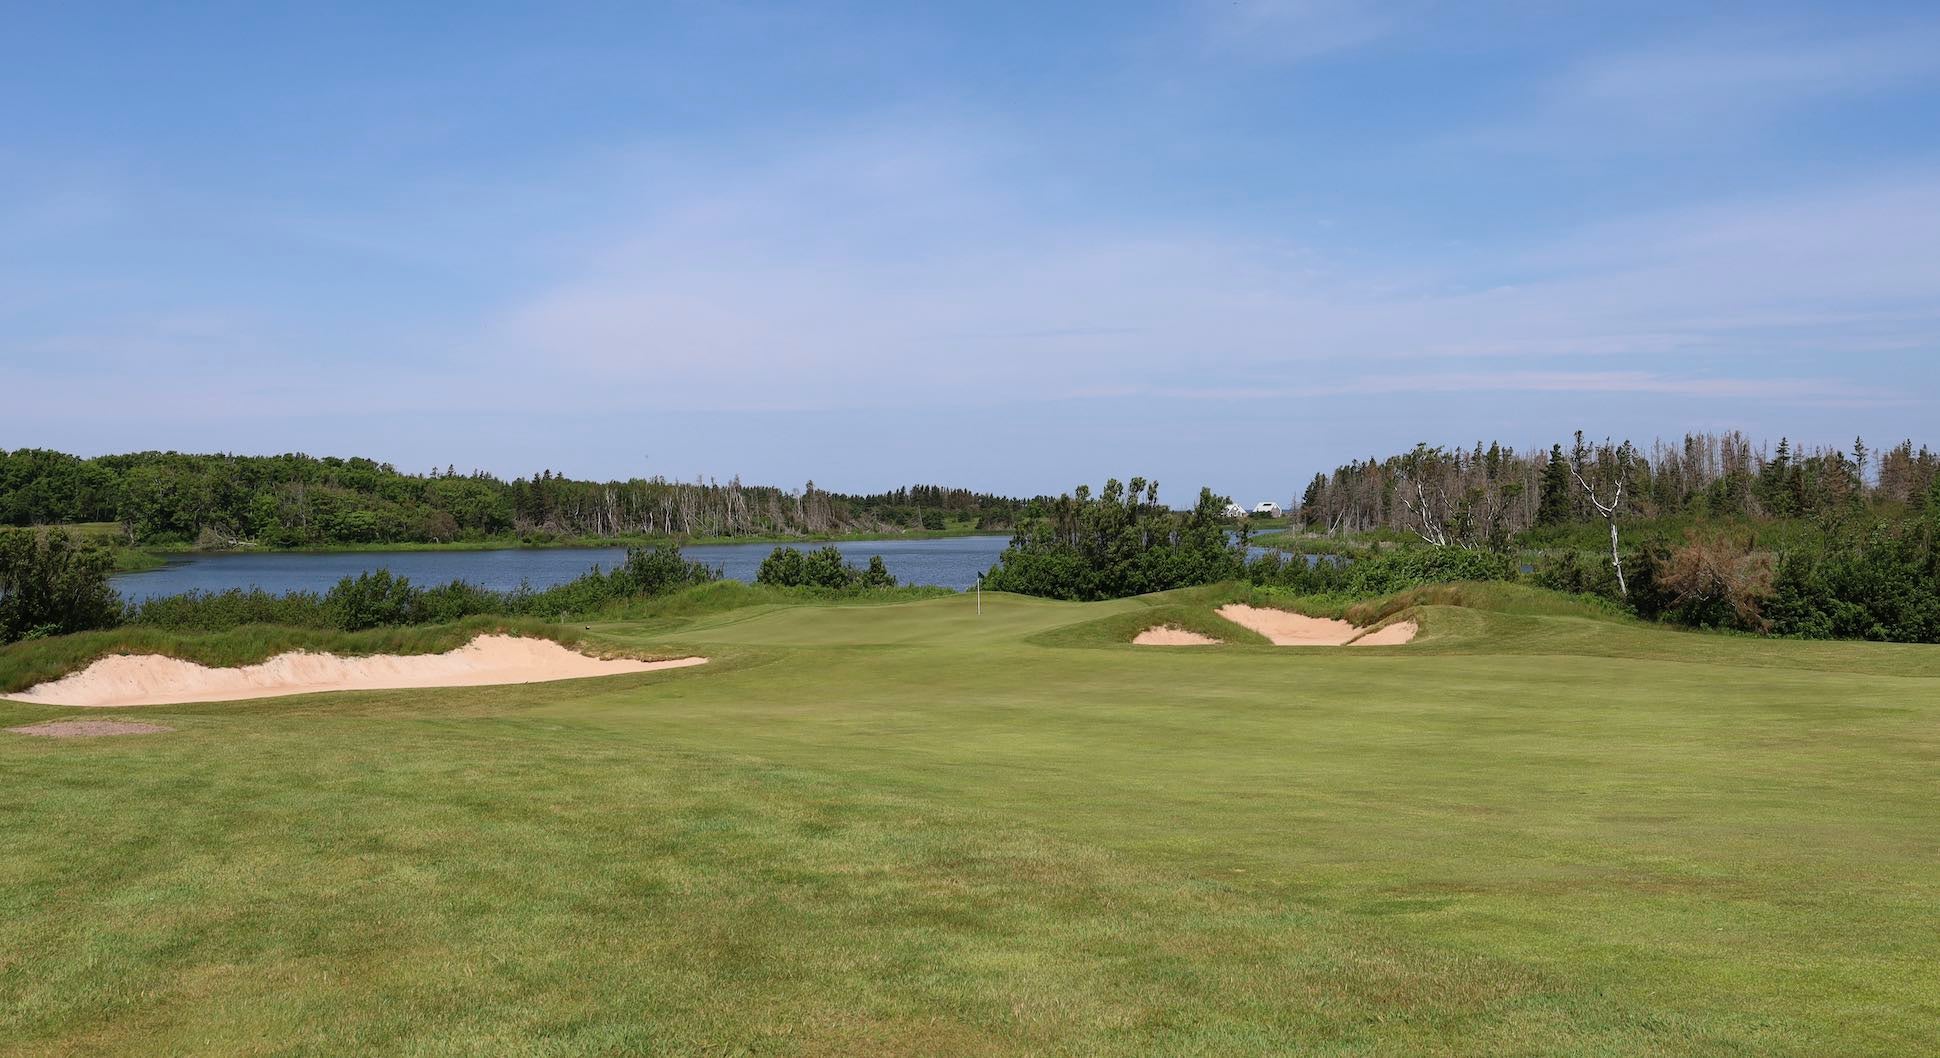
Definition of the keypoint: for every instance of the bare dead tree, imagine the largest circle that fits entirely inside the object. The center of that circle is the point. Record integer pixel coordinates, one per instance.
(1428, 524)
(1612, 469)
(1423, 479)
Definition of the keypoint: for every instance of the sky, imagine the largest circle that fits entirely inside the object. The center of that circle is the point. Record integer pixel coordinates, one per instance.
(1012, 247)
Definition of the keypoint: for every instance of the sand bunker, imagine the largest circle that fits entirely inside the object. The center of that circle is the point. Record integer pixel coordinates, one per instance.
(1167, 636)
(1298, 630)
(88, 728)
(1388, 635)
(150, 679)
(1290, 629)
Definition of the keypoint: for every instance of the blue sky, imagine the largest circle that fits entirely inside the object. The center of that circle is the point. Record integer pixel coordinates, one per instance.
(1009, 246)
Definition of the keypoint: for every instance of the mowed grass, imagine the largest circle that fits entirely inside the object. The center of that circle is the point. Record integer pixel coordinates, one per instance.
(913, 829)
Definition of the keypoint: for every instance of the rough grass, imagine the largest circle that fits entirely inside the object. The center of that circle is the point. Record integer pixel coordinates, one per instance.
(130, 560)
(1494, 596)
(908, 828)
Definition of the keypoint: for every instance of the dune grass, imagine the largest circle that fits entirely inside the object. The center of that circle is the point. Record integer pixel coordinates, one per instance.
(907, 828)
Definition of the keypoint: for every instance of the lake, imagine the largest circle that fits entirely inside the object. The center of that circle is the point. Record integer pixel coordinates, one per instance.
(952, 562)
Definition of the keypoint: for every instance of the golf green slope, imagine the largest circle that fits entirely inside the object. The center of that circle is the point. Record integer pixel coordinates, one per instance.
(914, 829)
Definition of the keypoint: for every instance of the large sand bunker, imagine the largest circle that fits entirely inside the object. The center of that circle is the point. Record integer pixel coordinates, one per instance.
(1168, 636)
(149, 679)
(1285, 629)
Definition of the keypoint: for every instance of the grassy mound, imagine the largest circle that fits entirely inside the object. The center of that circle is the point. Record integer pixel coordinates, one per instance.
(1120, 628)
(1493, 596)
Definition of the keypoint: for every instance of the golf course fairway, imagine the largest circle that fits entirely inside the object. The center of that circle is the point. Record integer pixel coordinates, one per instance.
(913, 828)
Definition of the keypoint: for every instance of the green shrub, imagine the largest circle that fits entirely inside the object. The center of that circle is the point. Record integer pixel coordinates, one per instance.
(1574, 573)
(198, 611)
(50, 585)
(1882, 583)
(1119, 543)
(371, 600)
(1299, 574)
(656, 571)
(381, 599)
(1404, 568)
(825, 567)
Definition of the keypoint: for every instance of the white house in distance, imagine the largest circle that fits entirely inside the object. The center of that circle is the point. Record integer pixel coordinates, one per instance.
(1267, 509)
(1234, 510)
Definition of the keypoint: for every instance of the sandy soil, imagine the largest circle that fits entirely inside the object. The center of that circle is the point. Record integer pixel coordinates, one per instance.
(1167, 636)
(1298, 630)
(1389, 636)
(149, 679)
(88, 728)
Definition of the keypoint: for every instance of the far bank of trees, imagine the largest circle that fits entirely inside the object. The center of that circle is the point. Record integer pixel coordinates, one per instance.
(1815, 542)
(299, 500)
(1712, 533)
(1486, 496)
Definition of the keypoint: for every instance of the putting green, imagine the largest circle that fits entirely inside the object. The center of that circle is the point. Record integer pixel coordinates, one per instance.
(912, 829)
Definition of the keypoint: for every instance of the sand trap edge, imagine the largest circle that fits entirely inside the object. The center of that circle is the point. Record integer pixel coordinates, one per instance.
(1172, 636)
(1392, 634)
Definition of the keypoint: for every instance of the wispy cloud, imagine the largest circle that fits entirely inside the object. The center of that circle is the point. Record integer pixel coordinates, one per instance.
(1688, 80)
(1289, 30)
(1721, 87)
(915, 262)
(1813, 392)
(907, 262)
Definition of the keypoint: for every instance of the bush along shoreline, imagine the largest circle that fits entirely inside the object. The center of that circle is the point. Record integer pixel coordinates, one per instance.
(52, 583)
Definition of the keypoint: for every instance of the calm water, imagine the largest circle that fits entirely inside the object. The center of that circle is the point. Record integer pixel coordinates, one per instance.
(951, 563)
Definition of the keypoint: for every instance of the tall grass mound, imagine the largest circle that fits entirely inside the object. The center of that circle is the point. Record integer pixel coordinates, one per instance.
(1494, 596)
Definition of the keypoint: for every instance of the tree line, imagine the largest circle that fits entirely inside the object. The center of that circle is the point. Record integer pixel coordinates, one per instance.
(1817, 543)
(1811, 542)
(297, 500)
(1486, 496)
(1119, 541)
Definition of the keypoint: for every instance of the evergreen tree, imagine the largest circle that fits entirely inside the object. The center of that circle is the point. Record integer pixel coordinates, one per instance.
(1775, 487)
(1553, 508)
